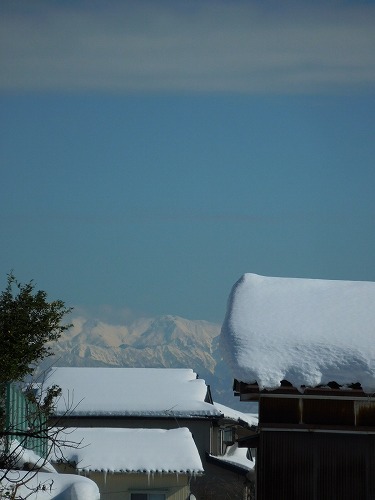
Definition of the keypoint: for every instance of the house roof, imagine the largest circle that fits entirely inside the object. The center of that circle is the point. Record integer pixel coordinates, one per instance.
(251, 419)
(235, 456)
(47, 486)
(148, 392)
(21, 456)
(133, 450)
(305, 331)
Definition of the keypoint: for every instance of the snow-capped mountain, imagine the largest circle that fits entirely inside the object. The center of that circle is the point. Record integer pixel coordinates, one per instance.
(165, 341)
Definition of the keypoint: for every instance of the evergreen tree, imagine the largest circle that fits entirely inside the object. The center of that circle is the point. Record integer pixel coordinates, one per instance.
(27, 323)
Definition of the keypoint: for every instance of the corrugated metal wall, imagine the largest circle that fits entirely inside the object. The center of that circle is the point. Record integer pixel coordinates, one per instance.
(22, 415)
(315, 466)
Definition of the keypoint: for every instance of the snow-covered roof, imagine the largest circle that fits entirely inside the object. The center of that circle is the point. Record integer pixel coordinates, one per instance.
(156, 392)
(45, 485)
(22, 456)
(306, 331)
(237, 456)
(133, 450)
(250, 418)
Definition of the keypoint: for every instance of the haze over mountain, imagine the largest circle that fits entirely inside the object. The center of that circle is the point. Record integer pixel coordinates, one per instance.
(165, 341)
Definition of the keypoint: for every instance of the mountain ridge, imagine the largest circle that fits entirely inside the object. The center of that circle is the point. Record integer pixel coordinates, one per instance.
(160, 342)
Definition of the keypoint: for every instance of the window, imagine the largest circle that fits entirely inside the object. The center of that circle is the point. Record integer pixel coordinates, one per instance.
(228, 436)
(148, 496)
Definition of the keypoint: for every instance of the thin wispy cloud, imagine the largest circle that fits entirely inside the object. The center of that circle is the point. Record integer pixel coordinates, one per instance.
(279, 47)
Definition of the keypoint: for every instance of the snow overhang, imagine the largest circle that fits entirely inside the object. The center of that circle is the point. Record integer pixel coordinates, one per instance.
(130, 450)
(306, 332)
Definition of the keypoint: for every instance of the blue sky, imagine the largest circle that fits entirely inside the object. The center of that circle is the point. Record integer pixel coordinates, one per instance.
(153, 152)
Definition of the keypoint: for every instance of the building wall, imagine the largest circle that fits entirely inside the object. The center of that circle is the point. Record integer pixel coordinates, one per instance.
(317, 410)
(221, 484)
(20, 416)
(315, 466)
(216, 483)
(119, 486)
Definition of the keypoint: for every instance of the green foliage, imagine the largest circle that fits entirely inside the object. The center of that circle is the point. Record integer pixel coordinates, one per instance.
(44, 401)
(27, 323)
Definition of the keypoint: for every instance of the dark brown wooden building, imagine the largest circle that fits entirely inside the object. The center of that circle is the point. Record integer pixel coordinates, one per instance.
(313, 443)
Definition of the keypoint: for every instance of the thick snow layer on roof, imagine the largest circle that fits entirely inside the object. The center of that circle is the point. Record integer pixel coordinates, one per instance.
(306, 331)
(237, 456)
(131, 392)
(45, 485)
(22, 456)
(250, 418)
(134, 450)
